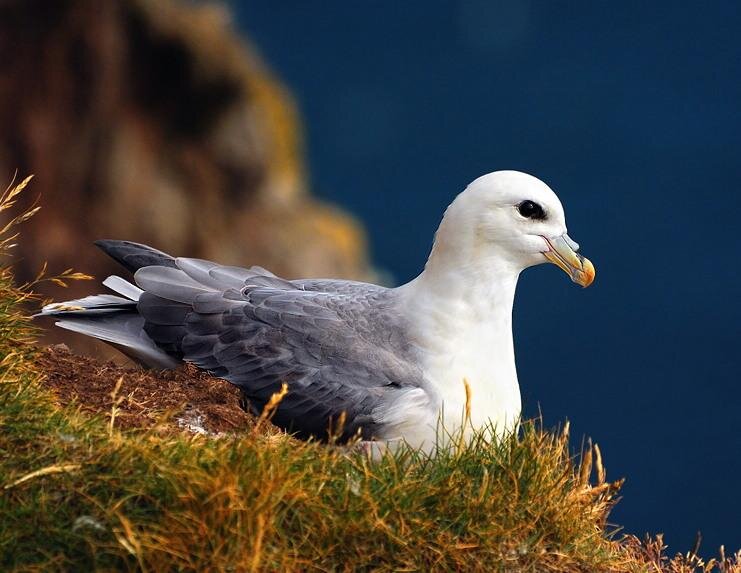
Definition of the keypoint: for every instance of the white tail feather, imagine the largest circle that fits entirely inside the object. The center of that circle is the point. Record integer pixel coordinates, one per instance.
(95, 304)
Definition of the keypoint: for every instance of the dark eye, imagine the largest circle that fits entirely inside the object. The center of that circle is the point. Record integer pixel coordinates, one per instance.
(531, 210)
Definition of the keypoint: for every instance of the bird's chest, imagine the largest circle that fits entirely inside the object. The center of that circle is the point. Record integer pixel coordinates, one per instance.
(482, 354)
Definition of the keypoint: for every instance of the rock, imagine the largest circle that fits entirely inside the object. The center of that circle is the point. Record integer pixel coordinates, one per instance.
(151, 120)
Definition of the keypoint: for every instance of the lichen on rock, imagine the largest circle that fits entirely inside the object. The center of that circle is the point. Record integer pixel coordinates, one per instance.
(154, 121)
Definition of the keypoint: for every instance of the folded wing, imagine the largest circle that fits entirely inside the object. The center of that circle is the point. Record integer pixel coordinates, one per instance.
(338, 345)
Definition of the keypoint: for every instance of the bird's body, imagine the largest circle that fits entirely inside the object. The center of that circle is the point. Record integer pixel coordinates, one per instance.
(386, 364)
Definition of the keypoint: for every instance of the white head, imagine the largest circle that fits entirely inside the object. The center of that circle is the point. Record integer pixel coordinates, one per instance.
(508, 221)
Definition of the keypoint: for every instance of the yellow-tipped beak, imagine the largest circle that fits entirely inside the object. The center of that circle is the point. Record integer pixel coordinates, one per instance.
(562, 253)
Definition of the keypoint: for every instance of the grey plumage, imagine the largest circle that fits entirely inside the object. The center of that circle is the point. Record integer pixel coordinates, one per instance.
(133, 256)
(124, 332)
(338, 345)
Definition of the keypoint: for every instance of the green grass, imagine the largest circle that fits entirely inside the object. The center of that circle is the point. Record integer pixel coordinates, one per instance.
(77, 494)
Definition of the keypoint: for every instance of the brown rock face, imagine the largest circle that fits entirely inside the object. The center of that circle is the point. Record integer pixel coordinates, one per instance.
(150, 120)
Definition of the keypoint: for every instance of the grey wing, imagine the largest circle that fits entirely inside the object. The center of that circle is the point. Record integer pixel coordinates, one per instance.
(338, 353)
(343, 287)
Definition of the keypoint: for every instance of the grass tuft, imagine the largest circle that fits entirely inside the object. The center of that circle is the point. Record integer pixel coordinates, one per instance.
(78, 493)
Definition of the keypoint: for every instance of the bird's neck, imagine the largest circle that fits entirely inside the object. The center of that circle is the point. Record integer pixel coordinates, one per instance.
(461, 321)
(465, 299)
(466, 290)
(466, 274)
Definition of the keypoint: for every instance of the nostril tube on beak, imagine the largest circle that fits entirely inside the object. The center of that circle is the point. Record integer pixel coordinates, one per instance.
(570, 242)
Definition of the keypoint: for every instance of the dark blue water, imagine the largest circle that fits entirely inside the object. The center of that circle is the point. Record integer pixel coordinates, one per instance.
(631, 112)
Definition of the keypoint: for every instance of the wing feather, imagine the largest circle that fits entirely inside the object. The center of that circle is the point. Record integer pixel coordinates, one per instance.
(332, 347)
(170, 283)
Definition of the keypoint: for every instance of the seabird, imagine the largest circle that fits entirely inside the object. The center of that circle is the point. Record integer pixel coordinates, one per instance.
(358, 359)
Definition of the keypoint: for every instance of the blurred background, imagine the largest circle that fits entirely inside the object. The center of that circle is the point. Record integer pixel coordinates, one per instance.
(329, 140)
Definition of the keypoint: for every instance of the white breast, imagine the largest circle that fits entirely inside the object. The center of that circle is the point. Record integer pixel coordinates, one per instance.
(482, 356)
(467, 340)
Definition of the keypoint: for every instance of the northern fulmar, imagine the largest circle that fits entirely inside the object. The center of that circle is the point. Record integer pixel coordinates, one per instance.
(383, 364)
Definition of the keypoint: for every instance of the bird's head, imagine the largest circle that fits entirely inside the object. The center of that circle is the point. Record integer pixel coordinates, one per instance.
(515, 219)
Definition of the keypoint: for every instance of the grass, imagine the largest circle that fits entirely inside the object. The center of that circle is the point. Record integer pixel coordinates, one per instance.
(79, 494)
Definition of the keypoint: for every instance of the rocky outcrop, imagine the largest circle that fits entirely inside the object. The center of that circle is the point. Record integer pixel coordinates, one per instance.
(152, 120)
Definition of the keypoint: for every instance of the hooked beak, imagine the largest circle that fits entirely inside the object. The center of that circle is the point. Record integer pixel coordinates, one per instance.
(562, 252)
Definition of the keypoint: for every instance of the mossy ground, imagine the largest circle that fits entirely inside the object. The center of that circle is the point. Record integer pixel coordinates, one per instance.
(79, 493)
